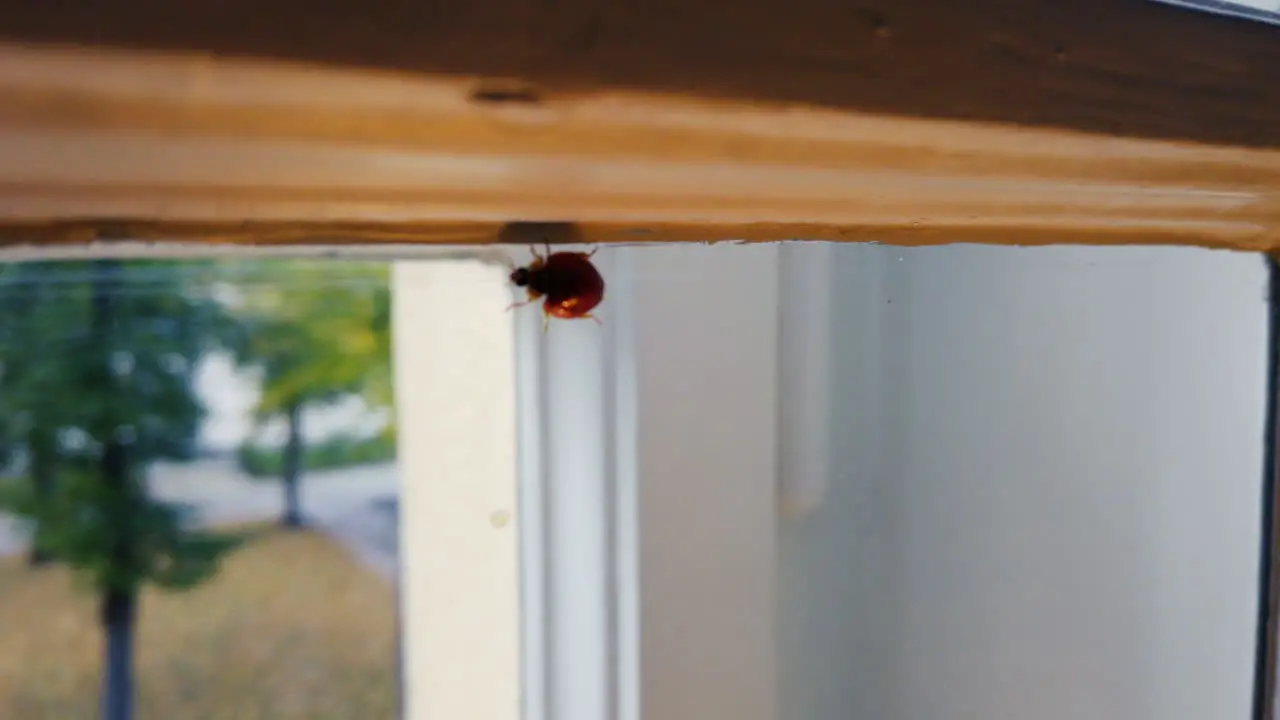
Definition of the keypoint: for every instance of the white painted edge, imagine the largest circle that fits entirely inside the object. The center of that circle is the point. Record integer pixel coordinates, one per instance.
(577, 465)
(1243, 10)
(459, 566)
(535, 650)
(626, 550)
(804, 369)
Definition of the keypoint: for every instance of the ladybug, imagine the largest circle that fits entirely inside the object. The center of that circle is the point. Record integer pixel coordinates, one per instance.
(568, 284)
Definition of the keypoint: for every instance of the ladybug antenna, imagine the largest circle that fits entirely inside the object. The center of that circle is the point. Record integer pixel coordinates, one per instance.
(533, 249)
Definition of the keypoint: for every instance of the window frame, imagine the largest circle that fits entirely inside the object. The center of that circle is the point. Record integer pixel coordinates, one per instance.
(109, 145)
(338, 181)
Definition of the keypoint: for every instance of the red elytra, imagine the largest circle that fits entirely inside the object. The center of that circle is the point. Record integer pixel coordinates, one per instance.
(568, 284)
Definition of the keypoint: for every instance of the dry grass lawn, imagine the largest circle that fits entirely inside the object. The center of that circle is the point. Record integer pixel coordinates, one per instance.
(291, 627)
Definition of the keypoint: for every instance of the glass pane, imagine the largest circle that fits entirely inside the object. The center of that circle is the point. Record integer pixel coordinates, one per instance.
(201, 485)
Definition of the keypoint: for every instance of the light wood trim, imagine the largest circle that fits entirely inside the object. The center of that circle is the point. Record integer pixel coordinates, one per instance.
(123, 145)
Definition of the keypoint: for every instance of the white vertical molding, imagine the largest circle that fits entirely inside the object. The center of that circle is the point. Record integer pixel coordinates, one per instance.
(535, 615)
(455, 392)
(577, 496)
(626, 498)
(804, 366)
(570, 461)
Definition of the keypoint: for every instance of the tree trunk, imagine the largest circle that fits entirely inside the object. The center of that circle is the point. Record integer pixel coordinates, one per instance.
(293, 468)
(42, 479)
(119, 611)
(119, 599)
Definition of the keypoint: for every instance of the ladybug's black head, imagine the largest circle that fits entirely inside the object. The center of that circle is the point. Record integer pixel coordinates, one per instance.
(520, 277)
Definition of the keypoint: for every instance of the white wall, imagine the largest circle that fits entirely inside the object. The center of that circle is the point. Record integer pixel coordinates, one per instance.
(704, 368)
(1044, 491)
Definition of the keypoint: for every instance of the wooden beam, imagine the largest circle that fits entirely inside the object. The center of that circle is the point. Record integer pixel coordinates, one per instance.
(106, 145)
(1120, 67)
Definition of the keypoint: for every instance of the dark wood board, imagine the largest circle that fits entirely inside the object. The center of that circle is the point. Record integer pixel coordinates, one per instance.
(1122, 67)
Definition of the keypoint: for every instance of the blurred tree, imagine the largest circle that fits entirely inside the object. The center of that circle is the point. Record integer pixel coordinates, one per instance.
(316, 331)
(97, 369)
(37, 311)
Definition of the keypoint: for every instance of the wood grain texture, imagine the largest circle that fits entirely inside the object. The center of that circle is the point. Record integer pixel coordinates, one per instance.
(1121, 67)
(121, 145)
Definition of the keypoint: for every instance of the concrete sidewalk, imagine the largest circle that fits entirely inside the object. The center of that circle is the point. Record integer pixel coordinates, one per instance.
(358, 506)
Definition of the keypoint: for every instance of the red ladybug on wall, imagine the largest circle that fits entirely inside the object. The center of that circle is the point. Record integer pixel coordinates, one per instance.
(568, 284)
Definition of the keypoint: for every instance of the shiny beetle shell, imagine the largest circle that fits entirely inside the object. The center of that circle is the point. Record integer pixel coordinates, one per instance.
(567, 283)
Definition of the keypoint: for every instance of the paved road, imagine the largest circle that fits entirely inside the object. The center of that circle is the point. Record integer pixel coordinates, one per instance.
(359, 506)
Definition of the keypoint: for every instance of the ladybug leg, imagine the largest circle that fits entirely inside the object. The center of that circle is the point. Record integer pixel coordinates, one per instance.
(593, 251)
(596, 319)
(546, 324)
(536, 255)
(515, 305)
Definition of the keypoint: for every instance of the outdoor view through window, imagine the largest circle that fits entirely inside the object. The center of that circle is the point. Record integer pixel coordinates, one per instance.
(198, 511)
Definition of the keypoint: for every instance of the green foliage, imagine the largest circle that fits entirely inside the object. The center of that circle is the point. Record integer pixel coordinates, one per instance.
(71, 383)
(316, 330)
(58, 377)
(342, 451)
(87, 516)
